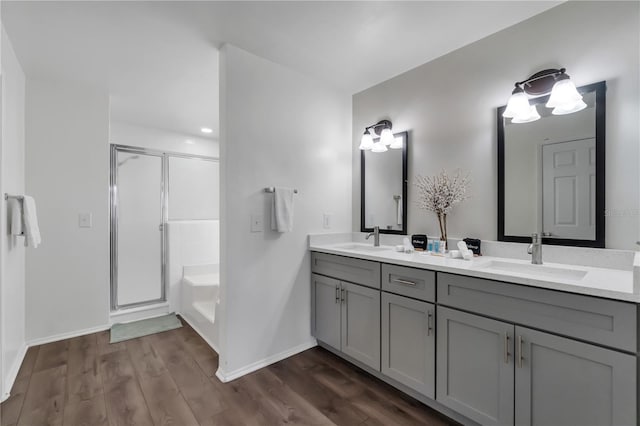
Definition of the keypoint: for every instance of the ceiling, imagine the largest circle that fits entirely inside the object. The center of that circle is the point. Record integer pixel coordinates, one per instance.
(159, 60)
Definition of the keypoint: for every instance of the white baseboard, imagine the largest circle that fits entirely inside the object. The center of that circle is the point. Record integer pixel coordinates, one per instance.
(69, 335)
(10, 379)
(197, 330)
(227, 377)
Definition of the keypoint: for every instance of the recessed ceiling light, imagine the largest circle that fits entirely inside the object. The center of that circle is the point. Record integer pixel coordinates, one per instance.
(206, 130)
(189, 141)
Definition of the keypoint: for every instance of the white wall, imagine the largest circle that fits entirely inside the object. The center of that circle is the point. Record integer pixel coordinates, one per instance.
(12, 251)
(67, 167)
(278, 128)
(147, 137)
(449, 108)
(194, 189)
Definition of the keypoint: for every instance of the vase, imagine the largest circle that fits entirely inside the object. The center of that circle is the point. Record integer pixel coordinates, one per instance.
(442, 220)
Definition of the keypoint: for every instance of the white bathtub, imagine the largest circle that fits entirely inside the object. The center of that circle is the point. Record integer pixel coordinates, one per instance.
(200, 298)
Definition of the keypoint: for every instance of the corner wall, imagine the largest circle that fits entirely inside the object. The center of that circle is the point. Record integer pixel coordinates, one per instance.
(12, 251)
(278, 128)
(67, 164)
(449, 108)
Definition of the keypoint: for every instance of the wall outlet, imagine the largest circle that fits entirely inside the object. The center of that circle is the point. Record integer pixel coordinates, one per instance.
(85, 220)
(257, 223)
(326, 221)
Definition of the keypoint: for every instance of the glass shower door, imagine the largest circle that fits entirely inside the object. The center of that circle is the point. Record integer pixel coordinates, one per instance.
(137, 218)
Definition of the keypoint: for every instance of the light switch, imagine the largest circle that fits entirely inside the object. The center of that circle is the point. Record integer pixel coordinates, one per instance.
(257, 223)
(85, 220)
(326, 221)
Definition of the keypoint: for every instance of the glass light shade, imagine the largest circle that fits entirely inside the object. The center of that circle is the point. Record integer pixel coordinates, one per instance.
(386, 137)
(397, 143)
(564, 95)
(366, 142)
(379, 147)
(517, 106)
(531, 115)
(578, 106)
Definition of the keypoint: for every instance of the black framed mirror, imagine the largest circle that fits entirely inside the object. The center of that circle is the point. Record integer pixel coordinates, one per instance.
(551, 174)
(383, 188)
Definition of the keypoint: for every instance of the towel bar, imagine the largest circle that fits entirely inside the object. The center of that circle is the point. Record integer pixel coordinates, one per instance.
(17, 197)
(272, 189)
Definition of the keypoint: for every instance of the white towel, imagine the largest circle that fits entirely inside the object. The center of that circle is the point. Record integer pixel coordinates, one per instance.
(15, 212)
(31, 228)
(282, 210)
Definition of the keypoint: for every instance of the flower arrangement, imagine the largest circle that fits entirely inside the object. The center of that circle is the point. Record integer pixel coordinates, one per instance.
(440, 193)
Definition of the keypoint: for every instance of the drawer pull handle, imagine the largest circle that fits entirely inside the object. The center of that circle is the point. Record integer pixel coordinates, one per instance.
(342, 298)
(337, 293)
(404, 282)
(429, 323)
(520, 357)
(506, 348)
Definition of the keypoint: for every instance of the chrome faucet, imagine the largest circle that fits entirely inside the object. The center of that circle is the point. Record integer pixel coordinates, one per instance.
(535, 249)
(376, 236)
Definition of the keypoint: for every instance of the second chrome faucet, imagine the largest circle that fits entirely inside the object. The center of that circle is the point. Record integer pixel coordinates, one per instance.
(376, 236)
(535, 249)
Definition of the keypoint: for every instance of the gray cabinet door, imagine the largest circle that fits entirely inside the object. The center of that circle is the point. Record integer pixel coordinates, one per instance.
(361, 324)
(475, 369)
(560, 381)
(326, 310)
(408, 342)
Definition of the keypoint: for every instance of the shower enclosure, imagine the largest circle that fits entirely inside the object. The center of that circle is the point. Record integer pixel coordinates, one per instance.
(139, 201)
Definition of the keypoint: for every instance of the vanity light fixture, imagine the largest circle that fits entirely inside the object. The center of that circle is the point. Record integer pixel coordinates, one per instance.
(366, 143)
(564, 98)
(382, 131)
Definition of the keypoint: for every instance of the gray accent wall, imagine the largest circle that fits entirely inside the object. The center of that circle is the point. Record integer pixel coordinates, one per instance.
(449, 106)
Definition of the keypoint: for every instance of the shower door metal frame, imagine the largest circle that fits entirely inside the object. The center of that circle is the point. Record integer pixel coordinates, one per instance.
(113, 213)
(113, 217)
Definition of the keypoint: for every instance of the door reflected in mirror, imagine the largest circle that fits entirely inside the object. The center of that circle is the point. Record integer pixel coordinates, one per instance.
(551, 176)
(384, 189)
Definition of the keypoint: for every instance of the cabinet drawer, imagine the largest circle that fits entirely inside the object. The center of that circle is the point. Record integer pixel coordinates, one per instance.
(364, 272)
(411, 282)
(607, 322)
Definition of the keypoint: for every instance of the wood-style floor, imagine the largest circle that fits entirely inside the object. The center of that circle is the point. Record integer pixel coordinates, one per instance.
(168, 379)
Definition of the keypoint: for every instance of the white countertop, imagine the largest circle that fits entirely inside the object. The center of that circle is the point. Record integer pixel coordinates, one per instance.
(600, 282)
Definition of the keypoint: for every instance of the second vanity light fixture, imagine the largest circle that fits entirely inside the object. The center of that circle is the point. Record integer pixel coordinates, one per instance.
(381, 129)
(564, 99)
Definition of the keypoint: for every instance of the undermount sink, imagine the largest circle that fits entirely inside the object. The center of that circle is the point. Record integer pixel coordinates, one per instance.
(535, 270)
(363, 247)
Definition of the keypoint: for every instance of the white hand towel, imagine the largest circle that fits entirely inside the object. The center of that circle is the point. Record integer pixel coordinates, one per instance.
(282, 210)
(15, 210)
(32, 230)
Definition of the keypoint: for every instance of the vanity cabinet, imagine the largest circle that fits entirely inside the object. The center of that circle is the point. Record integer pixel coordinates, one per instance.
(346, 316)
(408, 342)
(484, 365)
(492, 352)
